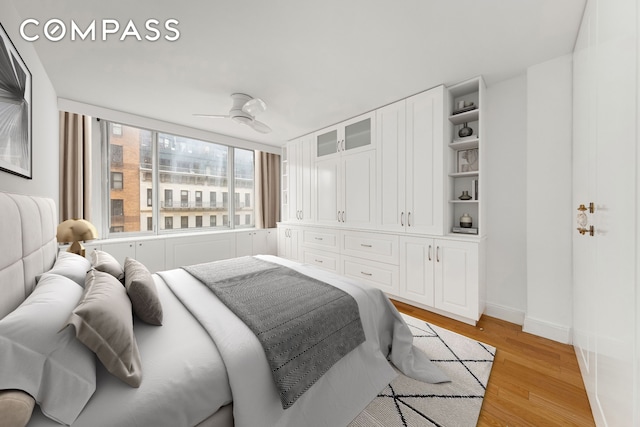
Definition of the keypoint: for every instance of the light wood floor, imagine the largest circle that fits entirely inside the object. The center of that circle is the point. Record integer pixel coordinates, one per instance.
(534, 381)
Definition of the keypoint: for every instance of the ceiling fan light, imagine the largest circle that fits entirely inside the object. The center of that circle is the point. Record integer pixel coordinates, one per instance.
(242, 119)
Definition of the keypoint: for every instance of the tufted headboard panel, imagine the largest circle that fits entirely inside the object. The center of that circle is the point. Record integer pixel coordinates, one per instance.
(28, 245)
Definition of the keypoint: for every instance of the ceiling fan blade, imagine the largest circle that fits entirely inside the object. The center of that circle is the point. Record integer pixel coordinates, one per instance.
(259, 126)
(213, 116)
(254, 106)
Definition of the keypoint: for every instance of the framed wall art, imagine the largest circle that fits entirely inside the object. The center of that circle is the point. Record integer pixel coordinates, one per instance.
(15, 110)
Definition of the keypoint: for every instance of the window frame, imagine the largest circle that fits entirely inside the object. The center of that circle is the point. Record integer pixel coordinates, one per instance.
(224, 184)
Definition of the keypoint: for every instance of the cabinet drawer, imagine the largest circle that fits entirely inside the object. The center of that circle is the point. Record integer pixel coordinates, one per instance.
(321, 239)
(376, 247)
(383, 276)
(325, 260)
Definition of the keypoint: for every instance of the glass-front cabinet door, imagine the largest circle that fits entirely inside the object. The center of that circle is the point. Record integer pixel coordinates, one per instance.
(327, 142)
(356, 133)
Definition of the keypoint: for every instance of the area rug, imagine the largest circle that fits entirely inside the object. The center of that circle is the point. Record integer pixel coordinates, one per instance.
(407, 402)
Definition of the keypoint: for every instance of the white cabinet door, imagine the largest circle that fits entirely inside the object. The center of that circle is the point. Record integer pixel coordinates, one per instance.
(244, 243)
(424, 162)
(391, 130)
(305, 179)
(120, 250)
(457, 278)
(417, 269)
(358, 194)
(151, 254)
(327, 190)
(293, 163)
(288, 243)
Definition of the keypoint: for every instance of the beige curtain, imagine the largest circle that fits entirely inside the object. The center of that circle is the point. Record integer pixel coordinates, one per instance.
(267, 189)
(75, 166)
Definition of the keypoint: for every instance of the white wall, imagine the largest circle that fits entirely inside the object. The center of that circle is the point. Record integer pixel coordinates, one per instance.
(506, 167)
(45, 133)
(549, 213)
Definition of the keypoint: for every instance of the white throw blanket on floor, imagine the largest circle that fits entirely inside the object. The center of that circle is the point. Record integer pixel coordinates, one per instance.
(337, 397)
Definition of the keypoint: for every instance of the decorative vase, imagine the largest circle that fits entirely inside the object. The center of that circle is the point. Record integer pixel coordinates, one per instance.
(465, 131)
(466, 221)
(465, 196)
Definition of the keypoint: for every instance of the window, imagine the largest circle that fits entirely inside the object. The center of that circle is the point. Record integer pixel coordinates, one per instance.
(128, 148)
(116, 180)
(155, 166)
(116, 129)
(116, 155)
(117, 207)
(244, 181)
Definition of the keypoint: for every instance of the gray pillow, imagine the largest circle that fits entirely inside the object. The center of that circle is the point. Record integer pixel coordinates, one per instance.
(104, 323)
(39, 359)
(105, 262)
(72, 266)
(142, 292)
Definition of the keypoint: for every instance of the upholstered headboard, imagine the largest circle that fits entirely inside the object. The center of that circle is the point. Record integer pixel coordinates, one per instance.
(28, 245)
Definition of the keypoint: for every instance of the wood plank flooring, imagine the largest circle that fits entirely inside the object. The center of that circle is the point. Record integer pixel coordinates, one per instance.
(534, 381)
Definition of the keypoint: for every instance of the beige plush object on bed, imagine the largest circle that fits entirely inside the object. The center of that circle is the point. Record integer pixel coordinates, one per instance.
(16, 407)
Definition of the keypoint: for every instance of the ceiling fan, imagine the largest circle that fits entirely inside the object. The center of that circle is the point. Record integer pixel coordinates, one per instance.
(244, 110)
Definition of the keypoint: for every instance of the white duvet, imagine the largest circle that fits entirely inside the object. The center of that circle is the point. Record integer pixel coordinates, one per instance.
(338, 396)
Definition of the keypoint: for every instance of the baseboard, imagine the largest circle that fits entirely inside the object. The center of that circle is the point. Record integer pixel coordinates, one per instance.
(548, 330)
(507, 314)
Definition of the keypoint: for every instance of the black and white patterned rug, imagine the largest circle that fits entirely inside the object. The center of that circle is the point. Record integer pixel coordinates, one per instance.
(407, 402)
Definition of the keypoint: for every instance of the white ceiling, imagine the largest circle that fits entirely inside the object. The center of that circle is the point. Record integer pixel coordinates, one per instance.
(313, 63)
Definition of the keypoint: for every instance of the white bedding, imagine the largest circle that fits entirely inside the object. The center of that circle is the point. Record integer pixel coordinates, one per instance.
(184, 379)
(337, 397)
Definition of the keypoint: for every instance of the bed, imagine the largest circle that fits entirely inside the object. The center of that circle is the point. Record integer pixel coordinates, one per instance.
(204, 366)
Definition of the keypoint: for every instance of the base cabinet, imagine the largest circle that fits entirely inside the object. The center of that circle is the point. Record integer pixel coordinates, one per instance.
(256, 242)
(442, 275)
(288, 246)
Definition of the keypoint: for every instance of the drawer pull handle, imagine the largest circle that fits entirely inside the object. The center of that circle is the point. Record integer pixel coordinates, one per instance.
(365, 246)
(318, 238)
(319, 260)
(366, 274)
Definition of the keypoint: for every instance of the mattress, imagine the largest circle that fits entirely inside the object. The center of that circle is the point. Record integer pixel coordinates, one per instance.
(184, 379)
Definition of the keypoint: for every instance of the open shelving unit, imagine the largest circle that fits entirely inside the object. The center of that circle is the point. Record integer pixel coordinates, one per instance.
(464, 157)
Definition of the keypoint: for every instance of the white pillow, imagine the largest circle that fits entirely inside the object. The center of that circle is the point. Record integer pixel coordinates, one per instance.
(52, 366)
(72, 266)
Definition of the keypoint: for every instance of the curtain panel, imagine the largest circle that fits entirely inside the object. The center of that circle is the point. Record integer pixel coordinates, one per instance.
(267, 171)
(75, 166)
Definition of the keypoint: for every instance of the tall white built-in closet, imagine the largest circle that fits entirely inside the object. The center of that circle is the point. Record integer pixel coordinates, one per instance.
(606, 292)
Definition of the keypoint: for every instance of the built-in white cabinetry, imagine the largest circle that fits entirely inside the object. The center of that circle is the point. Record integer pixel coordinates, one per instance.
(149, 252)
(442, 274)
(300, 175)
(410, 163)
(288, 246)
(353, 135)
(345, 175)
(465, 157)
(256, 242)
(388, 195)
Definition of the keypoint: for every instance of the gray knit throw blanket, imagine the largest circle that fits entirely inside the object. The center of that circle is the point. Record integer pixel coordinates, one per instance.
(304, 325)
